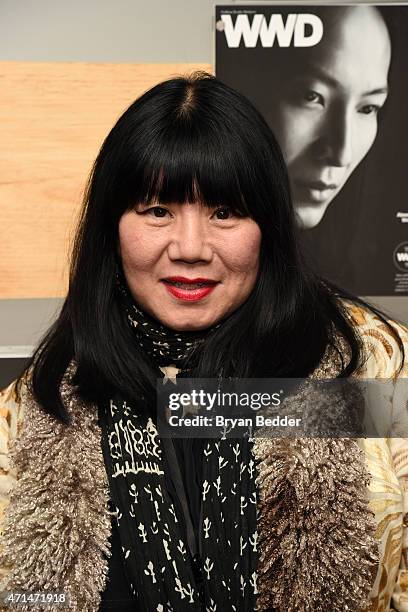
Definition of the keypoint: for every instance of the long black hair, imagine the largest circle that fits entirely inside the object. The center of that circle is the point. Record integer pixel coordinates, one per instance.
(189, 139)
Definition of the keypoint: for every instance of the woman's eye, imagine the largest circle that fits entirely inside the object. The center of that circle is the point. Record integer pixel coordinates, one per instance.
(225, 212)
(157, 209)
(370, 109)
(313, 96)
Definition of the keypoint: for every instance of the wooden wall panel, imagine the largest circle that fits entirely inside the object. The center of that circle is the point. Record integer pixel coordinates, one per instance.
(53, 118)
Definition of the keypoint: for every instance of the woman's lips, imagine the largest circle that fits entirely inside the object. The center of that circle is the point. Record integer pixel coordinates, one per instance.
(315, 191)
(188, 293)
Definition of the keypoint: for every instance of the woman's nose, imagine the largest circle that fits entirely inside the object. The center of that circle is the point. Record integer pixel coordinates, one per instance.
(336, 142)
(189, 240)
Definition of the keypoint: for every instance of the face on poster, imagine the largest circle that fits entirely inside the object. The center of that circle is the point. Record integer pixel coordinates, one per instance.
(320, 75)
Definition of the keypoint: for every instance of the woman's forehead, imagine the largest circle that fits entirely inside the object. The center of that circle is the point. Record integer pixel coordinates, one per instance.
(355, 51)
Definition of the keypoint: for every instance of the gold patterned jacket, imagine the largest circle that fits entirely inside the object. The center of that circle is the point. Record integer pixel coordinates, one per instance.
(333, 513)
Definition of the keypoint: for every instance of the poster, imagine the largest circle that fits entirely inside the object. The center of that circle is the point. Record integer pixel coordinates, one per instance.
(332, 83)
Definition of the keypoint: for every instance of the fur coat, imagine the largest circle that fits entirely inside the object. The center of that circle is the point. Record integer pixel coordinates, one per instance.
(333, 514)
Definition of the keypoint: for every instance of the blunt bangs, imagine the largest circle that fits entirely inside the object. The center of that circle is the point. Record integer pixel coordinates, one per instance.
(192, 165)
(194, 140)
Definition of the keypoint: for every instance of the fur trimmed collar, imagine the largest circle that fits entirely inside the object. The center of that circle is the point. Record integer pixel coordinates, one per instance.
(316, 532)
(57, 526)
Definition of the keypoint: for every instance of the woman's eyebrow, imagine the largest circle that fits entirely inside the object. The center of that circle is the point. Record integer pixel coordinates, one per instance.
(378, 91)
(320, 73)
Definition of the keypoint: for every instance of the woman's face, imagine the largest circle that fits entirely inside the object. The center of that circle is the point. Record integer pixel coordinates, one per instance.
(325, 113)
(162, 242)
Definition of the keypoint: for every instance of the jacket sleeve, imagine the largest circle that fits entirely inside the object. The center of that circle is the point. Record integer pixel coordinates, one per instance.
(399, 453)
(388, 457)
(11, 418)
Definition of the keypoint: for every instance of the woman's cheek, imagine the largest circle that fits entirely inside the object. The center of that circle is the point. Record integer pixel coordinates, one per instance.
(243, 252)
(367, 137)
(292, 130)
(141, 255)
(137, 248)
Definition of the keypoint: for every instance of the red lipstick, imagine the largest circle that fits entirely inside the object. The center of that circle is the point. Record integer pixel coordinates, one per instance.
(189, 289)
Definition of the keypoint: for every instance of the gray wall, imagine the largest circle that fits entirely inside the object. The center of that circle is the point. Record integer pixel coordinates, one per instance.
(104, 31)
(112, 30)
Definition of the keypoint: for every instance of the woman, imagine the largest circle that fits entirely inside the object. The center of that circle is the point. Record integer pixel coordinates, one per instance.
(186, 264)
(326, 118)
(322, 101)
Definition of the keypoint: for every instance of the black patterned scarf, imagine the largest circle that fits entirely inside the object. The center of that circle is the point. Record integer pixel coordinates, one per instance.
(167, 567)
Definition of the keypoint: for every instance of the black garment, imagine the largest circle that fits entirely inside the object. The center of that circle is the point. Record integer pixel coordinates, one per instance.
(117, 594)
(156, 498)
(190, 459)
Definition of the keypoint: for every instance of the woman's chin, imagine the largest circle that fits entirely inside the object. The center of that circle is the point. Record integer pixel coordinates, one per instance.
(185, 324)
(309, 216)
